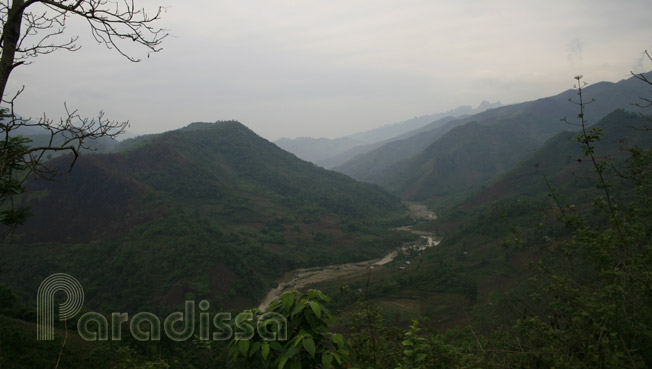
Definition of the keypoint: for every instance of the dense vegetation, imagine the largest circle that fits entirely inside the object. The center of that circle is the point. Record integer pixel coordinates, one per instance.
(547, 267)
(442, 167)
(575, 252)
(211, 210)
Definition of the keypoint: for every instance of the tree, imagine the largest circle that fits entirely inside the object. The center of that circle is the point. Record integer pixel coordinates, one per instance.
(646, 102)
(304, 341)
(31, 28)
(591, 298)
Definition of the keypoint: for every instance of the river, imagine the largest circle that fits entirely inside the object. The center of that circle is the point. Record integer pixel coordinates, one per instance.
(307, 276)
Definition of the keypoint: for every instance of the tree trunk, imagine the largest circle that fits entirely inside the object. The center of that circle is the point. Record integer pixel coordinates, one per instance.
(10, 38)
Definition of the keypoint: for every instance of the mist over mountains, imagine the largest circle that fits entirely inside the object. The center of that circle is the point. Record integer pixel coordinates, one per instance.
(468, 199)
(450, 158)
(221, 183)
(332, 152)
(181, 208)
(213, 211)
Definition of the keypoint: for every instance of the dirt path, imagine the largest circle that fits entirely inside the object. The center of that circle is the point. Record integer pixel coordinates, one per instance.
(307, 276)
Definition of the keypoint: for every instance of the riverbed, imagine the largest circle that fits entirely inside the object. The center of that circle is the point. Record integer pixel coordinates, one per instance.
(307, 276)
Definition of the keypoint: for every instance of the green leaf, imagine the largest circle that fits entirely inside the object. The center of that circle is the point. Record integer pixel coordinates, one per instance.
(288, 300)
(297, 339)
(291, 352)
(316, 308)
(337, 357)
(327, 316)
(254, 348)
(312, 319)
(298, 307)
(309, 345)
(276, 346)
(326, 360)
(264, 350)
(243, 345)
(322, 296)
(282, 362)
(338, 339)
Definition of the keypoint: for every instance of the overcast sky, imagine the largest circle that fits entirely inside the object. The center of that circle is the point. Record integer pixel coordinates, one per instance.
(328, 68)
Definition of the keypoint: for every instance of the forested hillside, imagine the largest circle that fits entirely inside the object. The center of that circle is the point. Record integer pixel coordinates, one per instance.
(211, 210)
(546, 267)
(482, 147)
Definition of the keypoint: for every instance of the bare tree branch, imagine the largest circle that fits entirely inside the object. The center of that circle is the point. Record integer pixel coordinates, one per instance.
(35, 27)
(31, 28)
(645, 101)
(19, 160)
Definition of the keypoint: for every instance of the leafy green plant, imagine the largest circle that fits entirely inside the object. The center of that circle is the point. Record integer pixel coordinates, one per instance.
(373, 343)
(304, 342)
(415, 348)
(591, 298)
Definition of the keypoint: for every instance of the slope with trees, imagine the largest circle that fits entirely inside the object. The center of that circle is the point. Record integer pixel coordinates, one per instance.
(578, 291)
(365, 165)
(33, 28)
(209, 210)
(491, 143)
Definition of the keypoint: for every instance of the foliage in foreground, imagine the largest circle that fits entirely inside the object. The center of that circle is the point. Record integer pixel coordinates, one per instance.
(307, 342)
(590, 295)
(589, 303)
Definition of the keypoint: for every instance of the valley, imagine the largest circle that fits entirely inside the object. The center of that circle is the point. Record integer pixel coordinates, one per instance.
(211, 210)
(325, 184)
(303, 278)
(503, 226)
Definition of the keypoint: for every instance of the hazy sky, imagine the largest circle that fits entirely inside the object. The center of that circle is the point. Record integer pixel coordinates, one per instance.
(327, 68)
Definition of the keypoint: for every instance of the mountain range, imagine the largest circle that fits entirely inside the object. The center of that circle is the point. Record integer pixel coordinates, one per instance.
(214, 210)
(211, 210)
(330, 153)
(457, 157)
(561, 163)
(494, 239)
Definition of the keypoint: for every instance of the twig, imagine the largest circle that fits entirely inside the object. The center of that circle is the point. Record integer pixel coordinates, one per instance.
(478, 341)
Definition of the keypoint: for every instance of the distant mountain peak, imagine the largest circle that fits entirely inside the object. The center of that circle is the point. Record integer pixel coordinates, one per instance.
(334, 152)
(486, 105)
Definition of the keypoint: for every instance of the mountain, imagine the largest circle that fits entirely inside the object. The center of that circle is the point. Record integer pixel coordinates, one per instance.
(329, 153)
(211, 210)
(317, 149)
(364, 166)
(466, 157)
(491, 241)
(562, 162)
(390, 131)
(484, 146)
